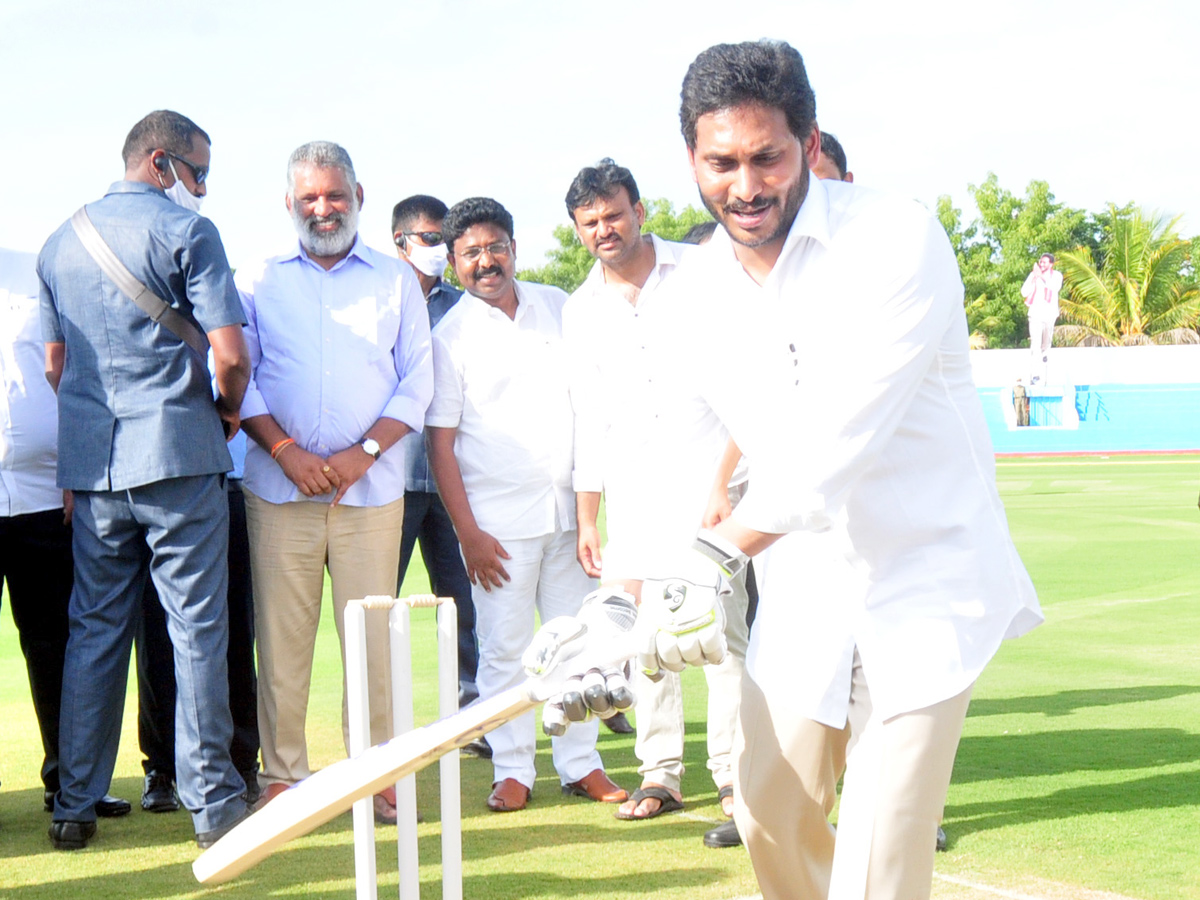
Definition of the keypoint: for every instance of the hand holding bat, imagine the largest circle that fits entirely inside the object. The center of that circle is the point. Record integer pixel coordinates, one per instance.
(686, 614)
(600, 689)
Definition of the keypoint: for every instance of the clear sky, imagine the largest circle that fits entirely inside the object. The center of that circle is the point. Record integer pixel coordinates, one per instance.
(510, 99)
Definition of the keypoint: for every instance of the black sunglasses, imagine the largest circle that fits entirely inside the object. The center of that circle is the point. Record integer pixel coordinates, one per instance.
(199, 173)
(429, 238)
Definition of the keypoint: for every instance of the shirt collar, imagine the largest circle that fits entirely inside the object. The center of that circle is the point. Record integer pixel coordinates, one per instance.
(665, 259)
(135, 187)
(812, 219)
(482, 306)
(358, 250)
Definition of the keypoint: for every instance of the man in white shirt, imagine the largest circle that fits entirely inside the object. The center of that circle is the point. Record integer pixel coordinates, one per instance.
(35, 514)
(339, 344)
(653, 454)
(1040, 292)
(892, 579)
(832, 164)
(499, 436)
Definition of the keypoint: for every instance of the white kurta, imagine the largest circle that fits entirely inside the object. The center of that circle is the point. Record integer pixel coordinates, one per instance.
(643, 435)
(846, 380)
(502, 383)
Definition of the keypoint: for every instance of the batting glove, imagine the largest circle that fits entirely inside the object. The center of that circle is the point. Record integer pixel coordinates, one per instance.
(684, 616)
(601, 690)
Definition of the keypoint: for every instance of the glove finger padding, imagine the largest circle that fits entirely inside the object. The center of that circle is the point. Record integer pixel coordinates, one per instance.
(554, 720)
(620, 694)
(573, 704)
(595, 694)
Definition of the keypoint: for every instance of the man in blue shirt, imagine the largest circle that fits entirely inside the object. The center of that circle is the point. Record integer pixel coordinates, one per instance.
(339, 345)
(417, 231)
(142, 445)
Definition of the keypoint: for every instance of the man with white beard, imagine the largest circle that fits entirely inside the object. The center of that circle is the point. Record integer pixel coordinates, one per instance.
(340, 353)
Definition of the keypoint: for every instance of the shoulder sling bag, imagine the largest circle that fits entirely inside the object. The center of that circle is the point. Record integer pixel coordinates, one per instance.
(145, 299)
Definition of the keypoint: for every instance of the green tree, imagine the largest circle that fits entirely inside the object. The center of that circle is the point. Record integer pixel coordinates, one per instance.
(1139, 289)
(996, 251)
(569, 263)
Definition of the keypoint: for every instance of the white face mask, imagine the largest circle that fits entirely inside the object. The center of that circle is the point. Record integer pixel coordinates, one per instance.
(427, 260)
(180, 195)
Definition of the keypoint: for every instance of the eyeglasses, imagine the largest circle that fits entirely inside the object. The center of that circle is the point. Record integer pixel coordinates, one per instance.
(498, 249)
(428, 238)
(199, 173)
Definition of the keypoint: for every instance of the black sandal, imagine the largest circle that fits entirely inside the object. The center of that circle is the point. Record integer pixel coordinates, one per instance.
(666, 803)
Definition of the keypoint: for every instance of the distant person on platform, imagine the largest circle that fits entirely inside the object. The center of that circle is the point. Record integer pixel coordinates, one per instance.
(1040, 291)
(1021, 403)
(832, 164)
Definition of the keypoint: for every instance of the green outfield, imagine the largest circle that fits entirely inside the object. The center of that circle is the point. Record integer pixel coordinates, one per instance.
(1078, 775)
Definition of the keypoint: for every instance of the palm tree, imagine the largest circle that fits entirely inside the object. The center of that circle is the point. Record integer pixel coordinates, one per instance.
(1143, 293)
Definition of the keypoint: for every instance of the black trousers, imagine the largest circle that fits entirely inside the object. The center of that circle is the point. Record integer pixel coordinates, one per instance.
(35, 560)
(426, 519)
(156, 661)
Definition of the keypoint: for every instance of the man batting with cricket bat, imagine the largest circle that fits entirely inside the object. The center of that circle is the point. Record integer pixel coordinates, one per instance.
(889, 578)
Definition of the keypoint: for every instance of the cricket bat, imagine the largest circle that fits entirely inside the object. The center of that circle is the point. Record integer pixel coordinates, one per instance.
(333, 790)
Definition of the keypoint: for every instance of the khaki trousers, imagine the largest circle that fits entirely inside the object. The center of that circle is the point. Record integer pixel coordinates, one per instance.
(291, 544)
(896, 776)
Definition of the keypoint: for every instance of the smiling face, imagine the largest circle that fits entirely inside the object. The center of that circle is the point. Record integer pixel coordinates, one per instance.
(485, 260)
(752, 173)
(611, 228)
(324, 207)
(1046, 263)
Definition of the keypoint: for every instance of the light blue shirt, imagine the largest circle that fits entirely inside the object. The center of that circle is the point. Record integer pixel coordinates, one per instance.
(332, 353)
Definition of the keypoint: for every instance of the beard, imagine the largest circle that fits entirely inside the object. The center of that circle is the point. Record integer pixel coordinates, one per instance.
(326, 243)
(788, 208)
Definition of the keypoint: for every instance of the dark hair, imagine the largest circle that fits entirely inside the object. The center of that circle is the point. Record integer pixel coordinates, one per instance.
(417, 206)
(769, 73)
(161, 130)
(603, 179)
(831, 148)
(700, 233)
(1044, 255)
(474, 211)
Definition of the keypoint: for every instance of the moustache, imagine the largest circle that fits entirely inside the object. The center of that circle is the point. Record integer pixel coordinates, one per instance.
(741, 206)
(490, 270)
(313, 222)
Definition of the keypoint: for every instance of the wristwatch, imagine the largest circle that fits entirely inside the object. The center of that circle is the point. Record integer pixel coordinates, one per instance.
(371, 446)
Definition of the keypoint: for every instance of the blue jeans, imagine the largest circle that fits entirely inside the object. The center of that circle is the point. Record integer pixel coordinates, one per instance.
(425, 518)
(180, 528)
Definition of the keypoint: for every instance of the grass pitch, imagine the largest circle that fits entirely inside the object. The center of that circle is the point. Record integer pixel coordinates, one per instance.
(1078, 774)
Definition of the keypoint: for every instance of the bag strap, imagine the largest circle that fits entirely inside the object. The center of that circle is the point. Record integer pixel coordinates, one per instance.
(145, 299)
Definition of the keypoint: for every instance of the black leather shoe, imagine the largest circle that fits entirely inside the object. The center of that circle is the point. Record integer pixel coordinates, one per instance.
(618, 724)
(205, 839)
(109, 807)
(158, 793)
(941, 839)
(71, 835)
(253, 791)
(724, 835)
(478, 749)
